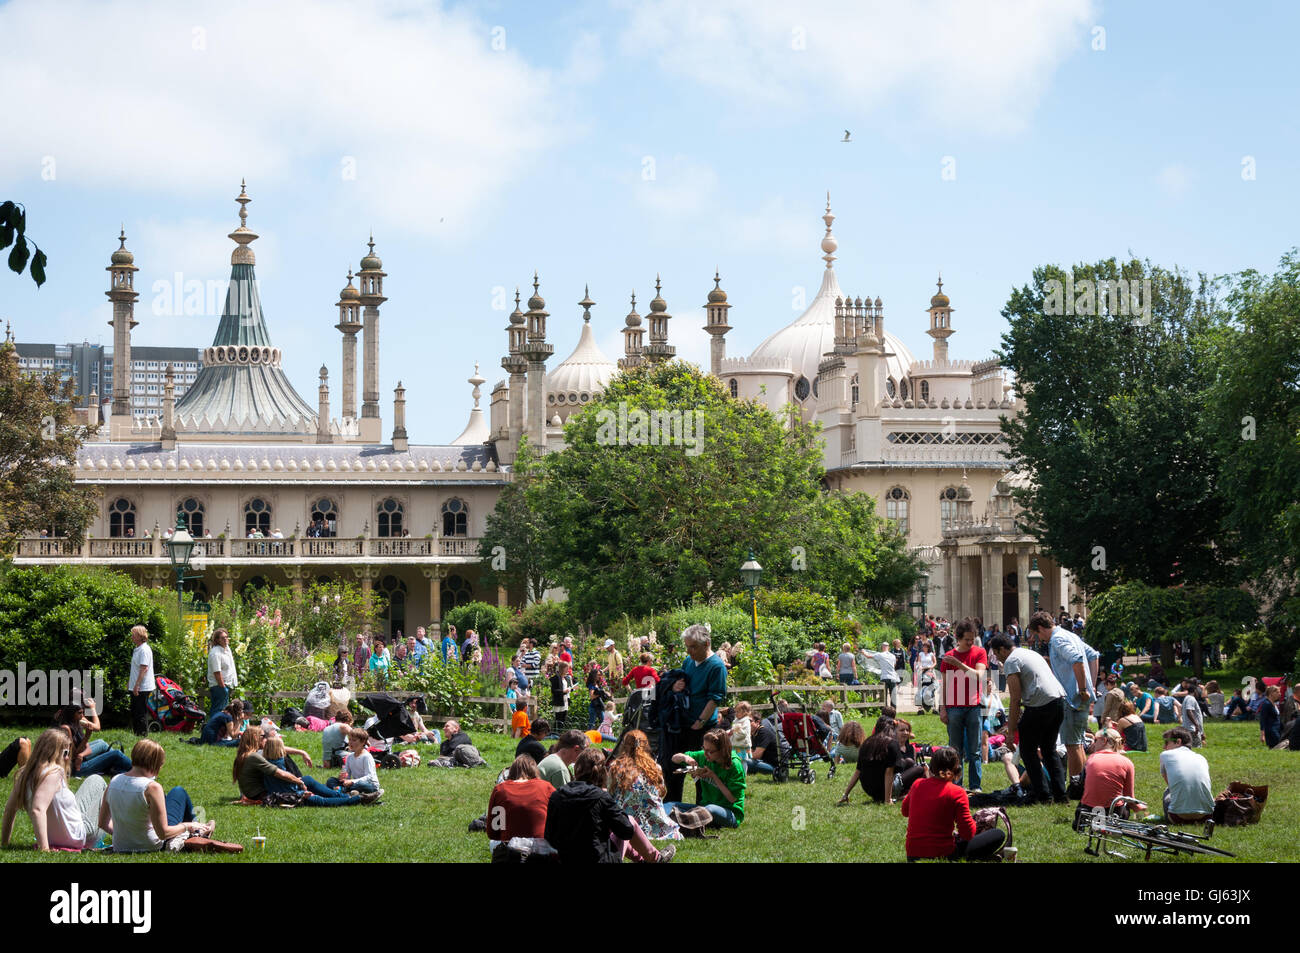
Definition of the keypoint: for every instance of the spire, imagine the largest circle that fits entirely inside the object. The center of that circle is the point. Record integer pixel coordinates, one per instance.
(828, 241)
(586, 304)
(242, 236)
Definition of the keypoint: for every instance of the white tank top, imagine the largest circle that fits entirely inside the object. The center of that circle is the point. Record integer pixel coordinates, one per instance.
(132, 830)
(65, 826)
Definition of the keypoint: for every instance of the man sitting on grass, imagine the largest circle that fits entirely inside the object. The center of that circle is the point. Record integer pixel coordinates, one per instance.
(1189, 798)
(557, 766)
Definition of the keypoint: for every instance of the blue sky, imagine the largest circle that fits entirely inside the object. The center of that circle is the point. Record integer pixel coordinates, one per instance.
(492, 139)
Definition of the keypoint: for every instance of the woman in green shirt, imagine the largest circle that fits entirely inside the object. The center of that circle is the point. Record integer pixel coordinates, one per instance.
(722, 779)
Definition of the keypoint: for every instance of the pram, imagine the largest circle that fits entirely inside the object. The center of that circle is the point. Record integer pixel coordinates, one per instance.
(925, 699)
(170, 709)
(797, 731)
(394, 720)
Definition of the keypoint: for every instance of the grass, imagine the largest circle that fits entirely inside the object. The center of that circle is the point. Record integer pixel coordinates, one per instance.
(426, 811)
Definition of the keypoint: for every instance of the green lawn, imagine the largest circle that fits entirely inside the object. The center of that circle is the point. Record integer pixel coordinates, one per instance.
(426, 811)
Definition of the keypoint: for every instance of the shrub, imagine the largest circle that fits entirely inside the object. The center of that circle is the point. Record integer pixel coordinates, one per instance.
(445, 685)
(75, 619)
(540, 621)
(492, 623)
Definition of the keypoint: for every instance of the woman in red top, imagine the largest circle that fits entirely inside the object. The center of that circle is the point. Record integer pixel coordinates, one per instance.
(935, 807)
(517, 807)
(1108, 774)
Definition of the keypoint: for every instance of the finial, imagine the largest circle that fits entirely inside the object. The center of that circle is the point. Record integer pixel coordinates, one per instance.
(717, 278)
(371, 243)
(476, 381)
(941, 282)
(535, 281)
(656, 284)
(516, 297)
(586, 304)
(828, 240)
(122, 237)
(633, 300)
(828, 200)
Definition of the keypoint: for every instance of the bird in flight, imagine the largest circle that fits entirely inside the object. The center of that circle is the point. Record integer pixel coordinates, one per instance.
(847, 137)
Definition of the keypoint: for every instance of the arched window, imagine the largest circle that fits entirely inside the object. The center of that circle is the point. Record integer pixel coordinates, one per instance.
(925, 391)
(390, 518)
(801, 389)
(324, 518)
(192, 512)
(890, 389)
(456, 591)
(455, 518)
(257, 516)
(257, 582)
(394, 591)
(816, 388)
(902, 389)
(947, 506)
(121, 518)
(853, 390)
(735, 389)
(897, 501)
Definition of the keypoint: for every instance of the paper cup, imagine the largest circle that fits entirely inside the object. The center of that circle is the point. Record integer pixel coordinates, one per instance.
(259, 843)
(1009, 855)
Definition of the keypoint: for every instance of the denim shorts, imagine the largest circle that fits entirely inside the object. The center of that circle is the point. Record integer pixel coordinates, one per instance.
(1073, 725)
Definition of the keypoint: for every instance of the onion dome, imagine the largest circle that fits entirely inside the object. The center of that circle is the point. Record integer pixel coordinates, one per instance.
(633, 319)
(349, 293)
(372, 262)
(122, 256)
(717, 295)
(657, 304)
(940, 300)
(536, 302)
(516, 316)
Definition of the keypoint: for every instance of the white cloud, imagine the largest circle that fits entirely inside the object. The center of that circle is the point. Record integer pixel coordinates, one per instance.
(964, 63)
(675, 186)
(138, 94)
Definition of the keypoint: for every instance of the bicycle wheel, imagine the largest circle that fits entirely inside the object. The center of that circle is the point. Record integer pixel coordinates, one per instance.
(1176, 844)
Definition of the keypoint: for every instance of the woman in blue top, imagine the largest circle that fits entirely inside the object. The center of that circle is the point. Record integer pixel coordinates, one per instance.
(380, 660)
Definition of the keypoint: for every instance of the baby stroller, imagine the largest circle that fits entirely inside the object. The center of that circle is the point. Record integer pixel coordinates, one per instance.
(394, 720)
(926, 691)
(170, 709)
(798, 731)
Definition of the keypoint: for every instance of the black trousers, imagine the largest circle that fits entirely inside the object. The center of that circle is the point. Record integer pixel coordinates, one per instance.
(980, 847)
(688, 740)
(1039, 728)
(140, 713)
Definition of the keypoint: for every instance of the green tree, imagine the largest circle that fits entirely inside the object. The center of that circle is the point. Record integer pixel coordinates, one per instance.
(1125, 477)
(634, 524)
(512, 549)
(39, 439)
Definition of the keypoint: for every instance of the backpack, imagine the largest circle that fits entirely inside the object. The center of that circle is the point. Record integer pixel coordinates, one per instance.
(988, 818)
(467, 756)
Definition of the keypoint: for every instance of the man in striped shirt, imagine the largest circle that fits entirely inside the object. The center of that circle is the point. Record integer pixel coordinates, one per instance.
(531, 659)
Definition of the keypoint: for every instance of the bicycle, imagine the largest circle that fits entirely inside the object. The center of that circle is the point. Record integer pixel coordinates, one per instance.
(1109, 831)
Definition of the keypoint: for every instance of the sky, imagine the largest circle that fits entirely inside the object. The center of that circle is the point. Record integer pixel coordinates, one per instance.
(605, 143)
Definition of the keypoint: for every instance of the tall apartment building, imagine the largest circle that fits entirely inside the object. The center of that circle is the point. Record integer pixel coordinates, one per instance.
(90, 368)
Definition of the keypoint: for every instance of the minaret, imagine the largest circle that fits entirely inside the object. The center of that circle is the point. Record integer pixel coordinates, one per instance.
(536, 351)
(659, 350)
(940, 324)
(323, 434)
(716, 325)
(633, 335)
(517, 366)
(169, 409)
(350, 325)
(399, 418)
(122, 293)
(371, 277)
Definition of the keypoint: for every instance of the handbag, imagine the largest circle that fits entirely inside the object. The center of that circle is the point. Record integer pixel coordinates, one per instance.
(1240, 804)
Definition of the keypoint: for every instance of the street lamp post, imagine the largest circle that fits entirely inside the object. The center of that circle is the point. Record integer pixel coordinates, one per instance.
(750, 571)
(1035, 582)
(179, 548)
(925, 588)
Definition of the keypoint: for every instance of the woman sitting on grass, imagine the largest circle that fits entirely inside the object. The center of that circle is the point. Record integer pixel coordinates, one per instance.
(517, 806)
(137, 813)
(935, 807)
(252, 772)
(1108, 774)
(721, 776)
(89, 757)
(1131, 727)
(61, 820)
(637, 783)
(585, 825)
(880, 762)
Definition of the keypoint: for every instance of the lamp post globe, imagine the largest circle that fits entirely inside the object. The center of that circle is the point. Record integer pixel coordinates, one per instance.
(750, 573)
(1035, 582)
(179, 549)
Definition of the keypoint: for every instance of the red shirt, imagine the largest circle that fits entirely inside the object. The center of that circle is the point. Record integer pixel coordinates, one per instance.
(1109, 775)
(961, 689)
(518, 809)
(644, 676)
(565, 656)
(933, 807)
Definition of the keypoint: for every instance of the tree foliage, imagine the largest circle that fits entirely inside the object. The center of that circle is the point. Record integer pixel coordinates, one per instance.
(13, 231)
(634, 526)
(513, 547)
(39, 438)
(1125, 483)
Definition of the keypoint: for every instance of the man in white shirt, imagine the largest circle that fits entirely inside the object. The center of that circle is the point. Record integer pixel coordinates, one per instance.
(1189, 799)
(140, 683)
(221, 671)
(1033, 686)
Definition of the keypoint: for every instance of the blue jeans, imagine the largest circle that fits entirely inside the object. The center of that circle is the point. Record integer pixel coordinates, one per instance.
(595, 715)
(218, 698)
(722, 816)
(964, 725)
(103, 760)
(848, 678)
(179, 806)
(336, 786)
(322, 796)
(761, 767)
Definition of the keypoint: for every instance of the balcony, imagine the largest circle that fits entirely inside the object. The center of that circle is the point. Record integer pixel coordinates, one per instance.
(153, 551)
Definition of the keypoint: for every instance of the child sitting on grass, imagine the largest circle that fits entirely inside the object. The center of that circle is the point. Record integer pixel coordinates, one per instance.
(519, 727)
(358, 775)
